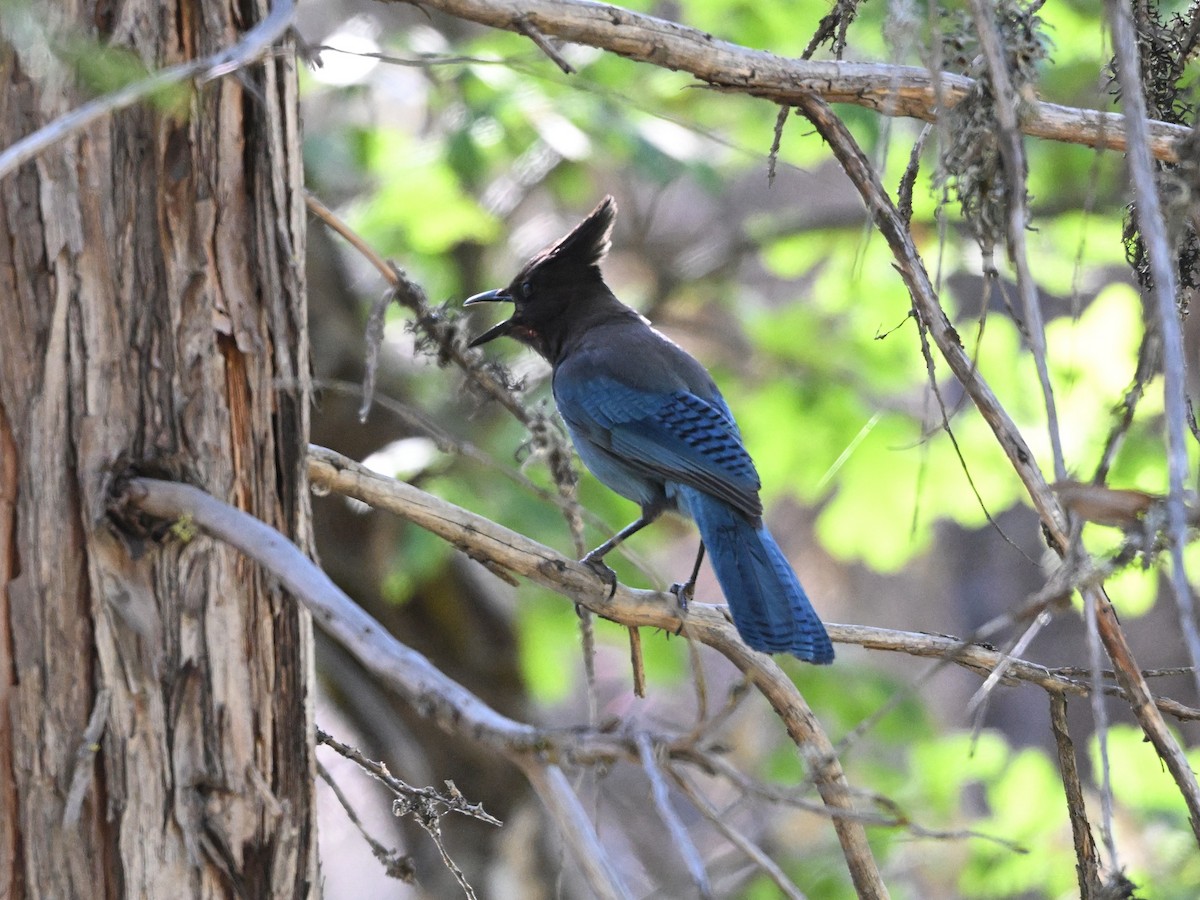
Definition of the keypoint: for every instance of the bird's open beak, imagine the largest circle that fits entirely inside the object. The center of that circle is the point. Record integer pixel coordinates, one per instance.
(495, 331)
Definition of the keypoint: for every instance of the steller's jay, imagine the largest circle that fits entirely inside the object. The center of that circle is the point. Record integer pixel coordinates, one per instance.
(649, 422)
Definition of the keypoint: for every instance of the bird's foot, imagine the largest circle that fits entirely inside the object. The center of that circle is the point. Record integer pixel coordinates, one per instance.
(603, 572)
(683, 593)
(683, 596)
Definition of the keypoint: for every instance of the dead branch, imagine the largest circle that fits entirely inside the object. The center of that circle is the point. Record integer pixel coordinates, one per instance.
(684, 844)
(1086, 865)
(890, 90)
(1150, 221)
(494, 545)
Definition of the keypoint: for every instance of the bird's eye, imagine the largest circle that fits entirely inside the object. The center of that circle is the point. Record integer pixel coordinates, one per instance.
(526, 288)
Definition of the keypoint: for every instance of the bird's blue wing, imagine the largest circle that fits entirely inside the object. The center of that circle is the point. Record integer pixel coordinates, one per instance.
(673, 436)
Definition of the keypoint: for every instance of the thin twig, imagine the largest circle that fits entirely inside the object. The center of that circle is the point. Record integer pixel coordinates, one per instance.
(923, 331)
(710, 725)
(1100, 720)
(419, 61)
(1148, 361)
(699, 683)
(662, 802)
(85, 759)
(432, 826)
(637, 664)
(893, 817)
(530, 31)
(1086, 864)
(909, 179)
(1148, 213)
(575, 827)
(776, 142)
(735, 837)
(1012, 156)
(977, 705)
(411, 796)
(396, 864)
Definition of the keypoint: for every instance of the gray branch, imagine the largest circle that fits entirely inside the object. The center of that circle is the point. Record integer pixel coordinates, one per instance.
(890, 90)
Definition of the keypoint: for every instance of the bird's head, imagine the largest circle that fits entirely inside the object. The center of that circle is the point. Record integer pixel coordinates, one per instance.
(556, 287)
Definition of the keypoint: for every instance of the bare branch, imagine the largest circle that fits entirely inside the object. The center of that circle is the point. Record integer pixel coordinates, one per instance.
(662, 803)
(1141, 702)
(530, 31)
(977, 705)
(575, 827)
(735, 837)
(912, 269)
(891, 90)
(395, 864)
(776, 142)
(1086, 864)
(410, 295)
(637, 664)
(85, 759)
(410, 796)
(983, 659)
(486, 541)
(1148, 212)
(1012, 156)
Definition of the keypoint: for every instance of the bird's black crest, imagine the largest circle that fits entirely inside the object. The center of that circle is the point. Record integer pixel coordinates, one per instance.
(587, 243)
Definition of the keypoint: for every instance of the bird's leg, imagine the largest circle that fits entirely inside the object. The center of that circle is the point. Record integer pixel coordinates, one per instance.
(595, 559)
(684, 592)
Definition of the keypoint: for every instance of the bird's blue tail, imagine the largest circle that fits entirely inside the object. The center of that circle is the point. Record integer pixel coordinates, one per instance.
(770, 609)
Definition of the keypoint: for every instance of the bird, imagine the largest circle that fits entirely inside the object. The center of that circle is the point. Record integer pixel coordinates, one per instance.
(649, 422)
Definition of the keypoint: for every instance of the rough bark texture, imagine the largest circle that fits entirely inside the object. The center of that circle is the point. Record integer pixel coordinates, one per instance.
(151, 315)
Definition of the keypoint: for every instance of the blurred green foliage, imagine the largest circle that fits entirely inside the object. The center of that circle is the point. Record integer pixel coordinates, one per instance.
(828, 380)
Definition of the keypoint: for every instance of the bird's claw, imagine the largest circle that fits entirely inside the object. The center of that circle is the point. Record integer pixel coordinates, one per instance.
(683, 596)
(683, 593)
(603, 572)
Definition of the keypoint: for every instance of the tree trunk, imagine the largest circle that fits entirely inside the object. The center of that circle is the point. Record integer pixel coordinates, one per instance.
(151, 318)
